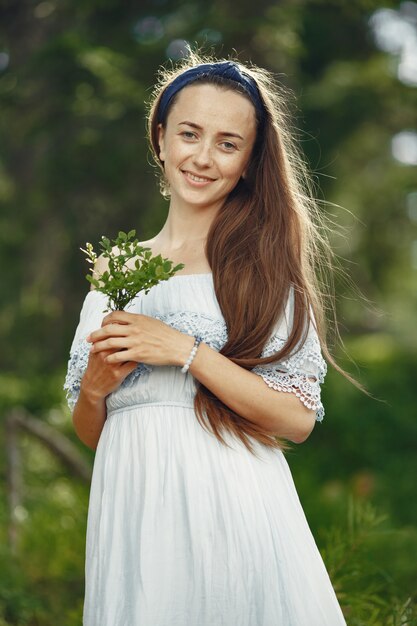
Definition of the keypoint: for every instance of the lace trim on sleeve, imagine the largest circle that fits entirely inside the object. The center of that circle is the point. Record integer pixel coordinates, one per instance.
(292, 374)
(213, 331)
(77, 364)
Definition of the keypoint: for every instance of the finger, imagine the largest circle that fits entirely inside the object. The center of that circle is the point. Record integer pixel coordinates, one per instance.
(110, 330)
(119, 317)
(119, 357)
(127, 367)
(111, 343)
(102, 354)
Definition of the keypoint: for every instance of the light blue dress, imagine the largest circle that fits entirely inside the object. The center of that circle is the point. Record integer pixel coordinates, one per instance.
(182, 530)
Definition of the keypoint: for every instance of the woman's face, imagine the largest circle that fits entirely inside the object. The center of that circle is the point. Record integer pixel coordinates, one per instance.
(206, 144)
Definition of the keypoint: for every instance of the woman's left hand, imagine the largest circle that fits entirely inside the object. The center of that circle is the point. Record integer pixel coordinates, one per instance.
(140, 338)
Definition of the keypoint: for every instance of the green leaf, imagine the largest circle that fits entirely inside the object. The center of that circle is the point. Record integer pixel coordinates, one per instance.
(122, 283)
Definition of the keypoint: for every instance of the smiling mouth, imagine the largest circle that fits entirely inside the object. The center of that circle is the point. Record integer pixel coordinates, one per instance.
(197, 179)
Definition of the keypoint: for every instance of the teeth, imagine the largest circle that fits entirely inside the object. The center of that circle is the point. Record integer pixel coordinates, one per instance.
(197, 178)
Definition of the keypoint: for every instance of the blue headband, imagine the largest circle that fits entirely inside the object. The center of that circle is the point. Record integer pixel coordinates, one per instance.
(224, 69)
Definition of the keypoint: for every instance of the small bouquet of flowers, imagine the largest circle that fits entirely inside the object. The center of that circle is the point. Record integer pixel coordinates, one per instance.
(120, 282)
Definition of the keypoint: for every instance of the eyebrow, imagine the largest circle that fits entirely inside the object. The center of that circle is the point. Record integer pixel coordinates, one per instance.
(223, 133)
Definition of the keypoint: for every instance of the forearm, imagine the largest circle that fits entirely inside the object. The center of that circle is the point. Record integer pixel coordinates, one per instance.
(248, 395)
(88, 418)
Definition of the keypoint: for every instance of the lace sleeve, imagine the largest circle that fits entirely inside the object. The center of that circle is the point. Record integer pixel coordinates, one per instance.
(301, 373)
(91, 315)
(77, 365)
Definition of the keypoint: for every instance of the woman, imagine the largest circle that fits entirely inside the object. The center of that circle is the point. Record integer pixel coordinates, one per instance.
(187, 396)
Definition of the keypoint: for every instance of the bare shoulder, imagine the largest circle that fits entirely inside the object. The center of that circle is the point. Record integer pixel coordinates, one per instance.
(102, 264)
(99, 267)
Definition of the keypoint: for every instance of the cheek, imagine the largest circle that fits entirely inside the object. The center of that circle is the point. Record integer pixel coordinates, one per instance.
(234, 169)
(176, 149)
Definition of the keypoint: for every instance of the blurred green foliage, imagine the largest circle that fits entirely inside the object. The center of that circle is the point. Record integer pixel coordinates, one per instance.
(74, 165)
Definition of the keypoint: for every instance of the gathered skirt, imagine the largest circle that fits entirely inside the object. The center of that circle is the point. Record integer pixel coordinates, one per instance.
(184, 531)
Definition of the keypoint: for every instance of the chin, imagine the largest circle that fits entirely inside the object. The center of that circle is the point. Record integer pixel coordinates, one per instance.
(200, 199)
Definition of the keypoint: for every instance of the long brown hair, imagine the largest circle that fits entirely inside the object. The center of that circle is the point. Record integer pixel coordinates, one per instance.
(267, 237)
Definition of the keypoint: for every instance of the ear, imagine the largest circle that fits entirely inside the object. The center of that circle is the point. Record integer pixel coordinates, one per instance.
(161, 142)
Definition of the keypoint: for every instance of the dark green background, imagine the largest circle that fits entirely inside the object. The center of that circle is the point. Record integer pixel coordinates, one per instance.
(74, 165)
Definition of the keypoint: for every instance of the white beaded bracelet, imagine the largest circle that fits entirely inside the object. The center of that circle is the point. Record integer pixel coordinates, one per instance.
(197, 342)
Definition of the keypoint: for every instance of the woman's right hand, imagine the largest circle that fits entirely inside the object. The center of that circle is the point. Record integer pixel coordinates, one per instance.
(101, 378)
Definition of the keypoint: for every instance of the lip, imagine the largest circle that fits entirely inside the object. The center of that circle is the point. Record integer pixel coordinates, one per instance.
(196, 183)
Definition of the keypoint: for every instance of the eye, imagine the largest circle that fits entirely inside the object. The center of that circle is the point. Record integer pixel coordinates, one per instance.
(188, 134)
(228, 145)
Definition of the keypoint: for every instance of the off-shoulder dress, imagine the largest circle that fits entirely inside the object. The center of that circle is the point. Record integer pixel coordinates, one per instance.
(182, 530)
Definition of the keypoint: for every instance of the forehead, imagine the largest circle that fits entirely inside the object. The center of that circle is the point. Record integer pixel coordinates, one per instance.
(213, 105)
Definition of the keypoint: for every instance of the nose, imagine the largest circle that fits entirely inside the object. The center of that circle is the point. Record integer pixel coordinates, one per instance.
(203, 155)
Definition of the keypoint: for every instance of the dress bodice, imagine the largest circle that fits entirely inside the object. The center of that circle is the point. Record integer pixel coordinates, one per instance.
(188, 303)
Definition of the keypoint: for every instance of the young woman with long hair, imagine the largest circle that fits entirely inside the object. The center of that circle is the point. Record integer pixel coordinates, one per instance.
(191, 397)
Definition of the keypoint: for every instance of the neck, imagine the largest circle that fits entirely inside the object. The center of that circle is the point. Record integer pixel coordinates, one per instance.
(186, 226)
